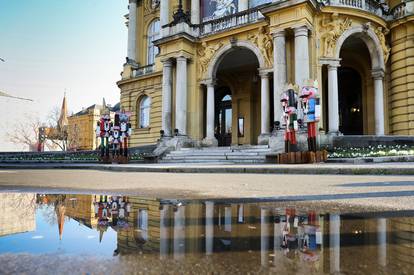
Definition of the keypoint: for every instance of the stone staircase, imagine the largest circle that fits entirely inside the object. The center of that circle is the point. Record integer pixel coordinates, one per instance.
(233, 154)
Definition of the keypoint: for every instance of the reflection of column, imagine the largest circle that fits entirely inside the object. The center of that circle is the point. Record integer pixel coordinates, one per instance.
(382, 241)
(181, 96)
(164, 231)
(209, 227)
(333, 103)
(277, 239)
(179, 232)
(166, 96)
(265, 98)
(335, 243)
(264, 236)
(301, 55)
(243, 5)
(379, 101)
(132, 29)
(279, 71)
(195, 11)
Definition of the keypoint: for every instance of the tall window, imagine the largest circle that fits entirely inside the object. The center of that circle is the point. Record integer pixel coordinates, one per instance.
(144, 112)
(153, 34)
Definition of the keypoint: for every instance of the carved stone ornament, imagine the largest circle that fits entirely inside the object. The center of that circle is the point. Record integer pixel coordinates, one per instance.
(263, 41)
(151, 5)
(205, 53)
(331, 31)
(381, 33)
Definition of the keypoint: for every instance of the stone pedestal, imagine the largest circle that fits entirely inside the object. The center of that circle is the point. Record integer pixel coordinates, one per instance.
(263, 139)
(209, 142)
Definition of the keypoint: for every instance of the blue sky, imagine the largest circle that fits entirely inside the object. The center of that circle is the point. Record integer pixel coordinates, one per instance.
(53, 45)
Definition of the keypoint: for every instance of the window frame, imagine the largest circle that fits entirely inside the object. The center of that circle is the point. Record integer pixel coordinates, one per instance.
(152, 34)
(140, 109)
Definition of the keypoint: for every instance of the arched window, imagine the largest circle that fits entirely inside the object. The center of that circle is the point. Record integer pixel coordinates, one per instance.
(144, 112)
(153, 34)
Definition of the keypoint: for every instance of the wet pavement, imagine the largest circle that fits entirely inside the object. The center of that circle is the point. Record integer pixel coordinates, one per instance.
(44, 233)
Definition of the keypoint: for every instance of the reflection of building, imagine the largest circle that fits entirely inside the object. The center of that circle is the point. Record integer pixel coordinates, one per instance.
(18, 213)
(82, 125)
(80, 208)
(358, 52)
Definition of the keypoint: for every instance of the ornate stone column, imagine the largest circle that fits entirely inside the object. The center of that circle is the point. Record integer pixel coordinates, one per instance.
(164, 14)
(265, 106)
(378, 76)
(209, 227)
(210, 139)
(301, 55)
(132, 31)
(279, 71)
(181, 96)
(333, 103)
(243, 5)
(195, 11)
(167, 97)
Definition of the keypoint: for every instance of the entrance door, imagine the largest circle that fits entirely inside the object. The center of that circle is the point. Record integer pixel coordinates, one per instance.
(350, 102)
(224, 121)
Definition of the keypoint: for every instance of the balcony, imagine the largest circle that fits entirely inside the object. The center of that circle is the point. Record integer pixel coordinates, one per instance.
(403, 9)
(228, 22)
(371, 6)
(215, 26)
(143, 70)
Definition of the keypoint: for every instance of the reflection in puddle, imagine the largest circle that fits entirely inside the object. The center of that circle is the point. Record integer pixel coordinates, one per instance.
(200, 236)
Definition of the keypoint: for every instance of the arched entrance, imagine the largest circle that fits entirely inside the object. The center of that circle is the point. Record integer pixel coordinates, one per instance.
(355, 97)
(351, 113)
(236, 87)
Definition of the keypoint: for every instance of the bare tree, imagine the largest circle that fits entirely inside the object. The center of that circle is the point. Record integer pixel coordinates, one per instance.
(26, 132)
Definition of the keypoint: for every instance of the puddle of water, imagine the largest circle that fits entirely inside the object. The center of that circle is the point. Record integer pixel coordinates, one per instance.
(73, 233)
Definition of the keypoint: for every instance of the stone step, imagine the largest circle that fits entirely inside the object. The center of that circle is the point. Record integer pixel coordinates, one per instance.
(213, 162)
(177, 153)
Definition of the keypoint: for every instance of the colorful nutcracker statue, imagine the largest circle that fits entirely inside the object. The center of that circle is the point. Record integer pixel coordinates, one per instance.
(103, 129)
(126, 130)
(289, 102)
(115, 138)
(311, 108)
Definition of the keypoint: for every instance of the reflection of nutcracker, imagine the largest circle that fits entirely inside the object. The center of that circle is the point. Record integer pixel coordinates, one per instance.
(103, 129)
(126, 130)
(289, 104)
(311, 108)
(115, 138)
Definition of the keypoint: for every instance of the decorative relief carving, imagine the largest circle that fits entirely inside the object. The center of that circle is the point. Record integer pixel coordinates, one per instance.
(263, 41)
(331, 31)
(381, 33)
(151, 5)
(205, 53)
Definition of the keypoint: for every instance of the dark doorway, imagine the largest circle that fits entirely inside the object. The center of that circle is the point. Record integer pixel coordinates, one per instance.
(224, 118)
(350, 102)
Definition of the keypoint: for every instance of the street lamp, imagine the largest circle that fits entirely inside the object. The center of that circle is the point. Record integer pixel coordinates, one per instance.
(15, 97)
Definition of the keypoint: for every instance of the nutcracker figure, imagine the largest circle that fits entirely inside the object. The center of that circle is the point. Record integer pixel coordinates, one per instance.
(311, 109)
(103, 129)
(126, 130)
(289, 102)
(115, 137)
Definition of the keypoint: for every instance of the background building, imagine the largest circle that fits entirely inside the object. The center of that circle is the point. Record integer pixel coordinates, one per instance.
(82, 125)
(202, 75)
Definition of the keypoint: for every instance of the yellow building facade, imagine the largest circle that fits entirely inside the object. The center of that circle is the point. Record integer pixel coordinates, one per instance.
(214, 71)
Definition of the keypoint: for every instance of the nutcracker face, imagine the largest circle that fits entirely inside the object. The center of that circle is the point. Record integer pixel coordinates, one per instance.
(124, 126)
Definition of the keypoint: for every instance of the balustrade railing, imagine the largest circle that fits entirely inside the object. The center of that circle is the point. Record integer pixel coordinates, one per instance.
(143, 70)
(367, 5)
(403, 9)
(231, 21)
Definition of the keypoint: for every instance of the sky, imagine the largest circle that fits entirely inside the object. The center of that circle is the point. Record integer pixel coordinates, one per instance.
(50, 46)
